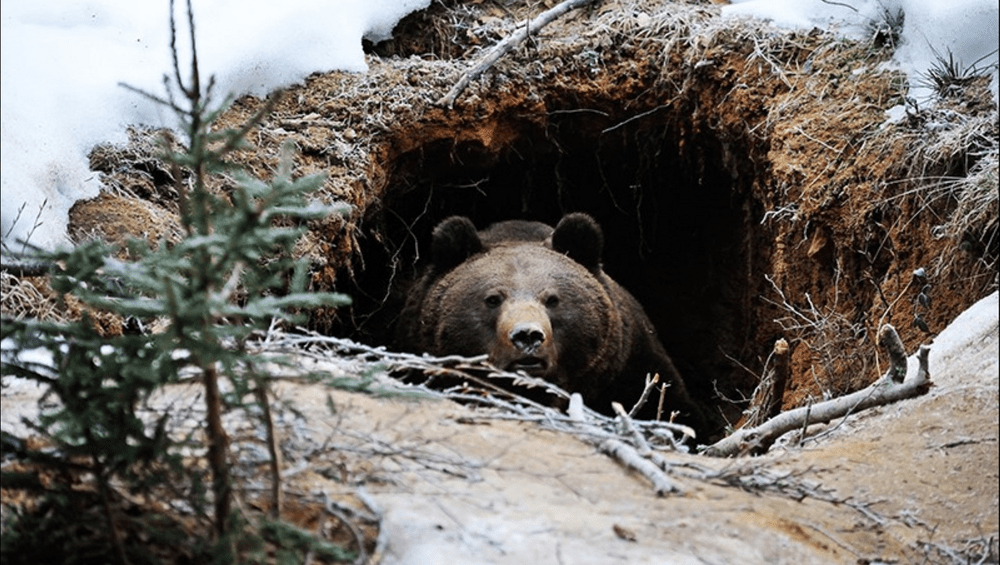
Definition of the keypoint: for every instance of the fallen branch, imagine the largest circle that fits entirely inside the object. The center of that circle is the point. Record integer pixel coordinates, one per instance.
(638, 447)
(508, 44)
(642, 446)
(639, 460)
(628, 456)
(884, 391)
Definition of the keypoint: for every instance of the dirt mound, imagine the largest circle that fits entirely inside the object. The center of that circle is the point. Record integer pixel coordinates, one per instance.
(912, 482)
(748, 183)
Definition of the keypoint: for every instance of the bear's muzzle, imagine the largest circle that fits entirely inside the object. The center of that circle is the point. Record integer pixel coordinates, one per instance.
(525, 335)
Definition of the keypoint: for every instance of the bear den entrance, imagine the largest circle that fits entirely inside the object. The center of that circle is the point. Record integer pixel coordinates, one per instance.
(676, 207)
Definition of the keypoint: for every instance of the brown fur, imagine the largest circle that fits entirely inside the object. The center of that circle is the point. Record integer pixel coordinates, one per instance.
(536, 299)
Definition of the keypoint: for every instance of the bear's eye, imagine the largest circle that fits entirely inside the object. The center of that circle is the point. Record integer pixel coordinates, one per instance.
(552, 301)
(494, 300)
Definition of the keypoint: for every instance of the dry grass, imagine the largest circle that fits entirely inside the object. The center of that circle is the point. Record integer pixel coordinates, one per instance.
(23, 298)
(949, 176)
(837, 345)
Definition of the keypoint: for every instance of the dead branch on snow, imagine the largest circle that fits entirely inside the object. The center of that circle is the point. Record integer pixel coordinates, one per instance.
(888, 389)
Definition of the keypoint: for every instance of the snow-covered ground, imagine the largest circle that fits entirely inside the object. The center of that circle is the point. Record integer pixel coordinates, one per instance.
(63, 60)
(965, 29)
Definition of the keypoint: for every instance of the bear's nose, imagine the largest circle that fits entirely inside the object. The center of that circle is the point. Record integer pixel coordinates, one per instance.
(527, 337)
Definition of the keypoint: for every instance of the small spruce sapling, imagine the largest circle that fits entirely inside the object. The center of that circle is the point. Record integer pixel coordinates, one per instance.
(230, 276)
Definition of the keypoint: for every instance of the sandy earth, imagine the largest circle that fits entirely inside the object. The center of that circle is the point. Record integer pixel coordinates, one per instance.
(918, 472)
(898, 484)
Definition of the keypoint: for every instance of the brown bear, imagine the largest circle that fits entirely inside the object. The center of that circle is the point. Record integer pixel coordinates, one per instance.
(536, 299)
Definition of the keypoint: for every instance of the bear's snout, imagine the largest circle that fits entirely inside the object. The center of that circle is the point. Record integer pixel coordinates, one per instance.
(525, 341)
(527, 337)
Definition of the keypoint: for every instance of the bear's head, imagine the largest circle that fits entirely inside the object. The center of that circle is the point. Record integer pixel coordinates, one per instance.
(531, 297)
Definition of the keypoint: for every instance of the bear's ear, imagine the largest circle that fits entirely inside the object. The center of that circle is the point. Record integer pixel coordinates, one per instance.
(454, 240)
(580, 238)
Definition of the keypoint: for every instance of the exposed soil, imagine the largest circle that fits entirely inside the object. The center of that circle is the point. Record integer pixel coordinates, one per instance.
(749, 187)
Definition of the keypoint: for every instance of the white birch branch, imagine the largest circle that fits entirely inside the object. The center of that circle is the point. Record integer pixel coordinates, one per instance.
(507, 45)
(651, 383)
(628, 456)
(888, 389)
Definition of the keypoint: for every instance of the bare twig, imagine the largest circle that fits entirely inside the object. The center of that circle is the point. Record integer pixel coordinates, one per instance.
(359, 537)
(508, 44)
(659, 405)
(829, 335)
(650, 385)
(274, 463)
(840, 4)
(766, 400)
(634, 118)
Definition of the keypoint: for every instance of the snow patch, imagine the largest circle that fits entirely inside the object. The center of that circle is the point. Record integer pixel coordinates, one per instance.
(967, 29)
(63, 60)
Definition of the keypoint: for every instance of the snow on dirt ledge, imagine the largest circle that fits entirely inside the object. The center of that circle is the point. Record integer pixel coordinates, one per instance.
(454, 489)
(519, 515)
(63, 61)
(930, 30)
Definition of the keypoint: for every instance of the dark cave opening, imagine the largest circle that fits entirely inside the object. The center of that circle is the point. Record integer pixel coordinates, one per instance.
(676, 209)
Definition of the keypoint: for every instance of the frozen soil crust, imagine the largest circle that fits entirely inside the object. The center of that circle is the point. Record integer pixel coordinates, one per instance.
(749, 189)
